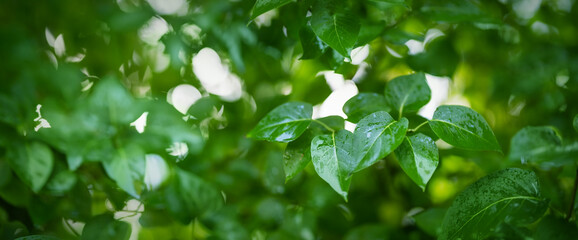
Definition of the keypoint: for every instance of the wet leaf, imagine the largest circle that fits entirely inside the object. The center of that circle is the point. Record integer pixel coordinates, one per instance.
(510, 196)
(335, 26)
(408, 93)
(312, 46)
(332, 157)
(285, 123)
(364, 104)
(418, 156)
(464, 128)
(375, 137)
(297, 155)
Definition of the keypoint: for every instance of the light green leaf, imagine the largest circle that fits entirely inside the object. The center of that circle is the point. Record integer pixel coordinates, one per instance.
(510, 196)
(542, 145)
(375, 137)
(418, 156)
(364, 104)
(285, 123)
(32, 162)
(263, 6)
(332, 157)
(127, 168)
(464, 128)
(408, 93)
(104, 226)
(336, 27)
(297, 155)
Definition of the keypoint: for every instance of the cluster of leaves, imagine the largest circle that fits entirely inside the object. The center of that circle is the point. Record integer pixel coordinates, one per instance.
(337, 153)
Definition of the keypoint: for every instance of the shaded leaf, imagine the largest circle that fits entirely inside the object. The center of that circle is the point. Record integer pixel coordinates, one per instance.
(37, 237)
(375, 137)
(542, 145)
(262, 6)
(552, 228)
(456, 11)
(418, 156)
(364, 104)
(127, 168)
(32, 162)
(320, 125)
(312, 46)
(285, 123)
(575, 122)
(104, 226)
(368, 232)
(408, 93)
(336, 27)
(431, 220)
(439, 58)
(510, 196)
(464, 128)
(297, 155)
(332, 157)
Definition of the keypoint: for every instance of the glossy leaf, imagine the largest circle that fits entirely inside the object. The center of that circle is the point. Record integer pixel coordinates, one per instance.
(375, 137)
(127, 168)
(333, 159)
(464, 128)
(297, 155)
(104, 226)
(263, 6)
(542, 145)
(285, 123)
(33, 163)
(418, 157)
(336, 27)
(364, 104)
(510, 196)
(408, 93)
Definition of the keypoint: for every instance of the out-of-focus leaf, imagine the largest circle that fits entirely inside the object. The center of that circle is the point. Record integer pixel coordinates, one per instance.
(575, 122)
(509, 196)
(274, 176)
(62, 182)
(154, 218)
(335, 26)
(127, 169)
(551, 227)
(541, 145)
(456, 11)
(407, 93)
(285, 123)
(111, 101)
(439, 58)
(37, 237)
(312, 46)
(464, 128)
(368, 232)
(431, 220)
(333, 159)
(297, 155)
(375, 137)
(262, 6)
(32, 162)
(418, 156)
(104, 226)
(364, 104)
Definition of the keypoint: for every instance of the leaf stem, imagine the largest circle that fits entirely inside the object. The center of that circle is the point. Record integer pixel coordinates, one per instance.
(417, 128)
(571, 208)
(323, 125)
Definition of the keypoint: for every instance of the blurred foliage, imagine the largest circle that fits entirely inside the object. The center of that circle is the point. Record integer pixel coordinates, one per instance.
(75, 75)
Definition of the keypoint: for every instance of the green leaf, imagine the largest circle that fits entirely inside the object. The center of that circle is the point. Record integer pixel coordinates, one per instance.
(430, 220)
(332, 157)
(510, 196)
(112, 101)
(439, 58)
(37, 237)
(62, 182)
(464, 128)
(551, 227)
(104, 226)
(297, 155)
(408, 93)
(542, 145)
(285, 123)
(326, 125)
(375, 137)
(456, 11)
(336, 27)
(418, 156)
(32, 162)
(127, 168)
(312, 46)
(263, 6)
(364, 104)
(575, 123)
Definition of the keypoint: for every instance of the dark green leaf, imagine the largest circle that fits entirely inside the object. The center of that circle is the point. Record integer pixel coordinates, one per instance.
(154, 218)
(368, 232)
(104, 226)
(112, 101)
(332, 157)
(33, 163)
(418, 156)
(542, 145)
(127, 168)
(337, 28)
(456, 11)
(551, 227)
(364, 104)
(509, 196)
(575, 123)
(262, 6)
(285, 123)
(439, 58)
(297, 155)
(431, 220)
(464, 128)
(62, 182)
(274, 177)
(326, 125)
(312, 46)
(408, 93)
(37, 237)
(375, 137)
